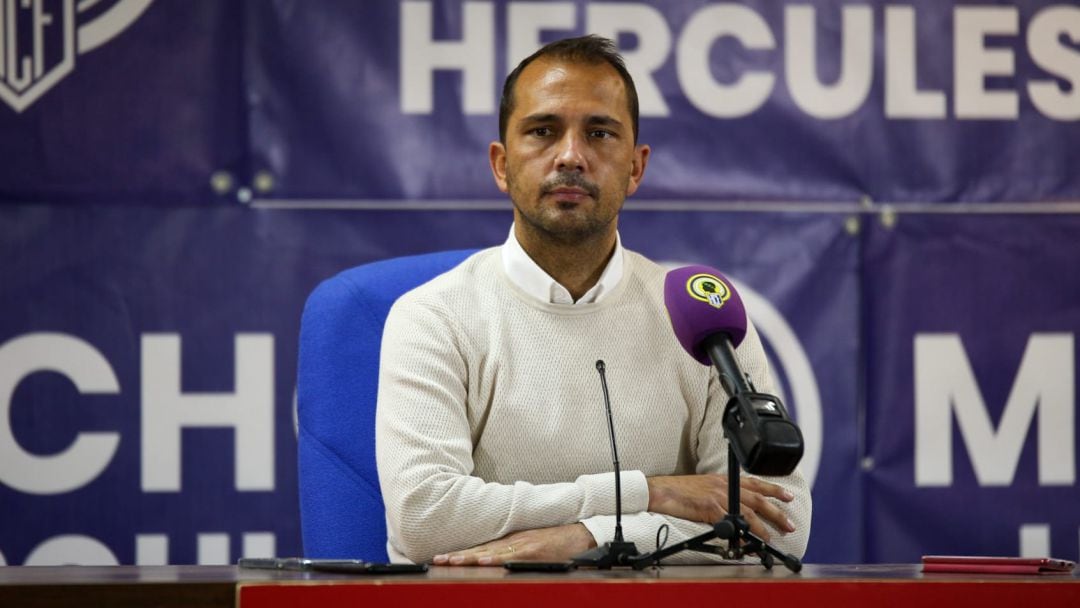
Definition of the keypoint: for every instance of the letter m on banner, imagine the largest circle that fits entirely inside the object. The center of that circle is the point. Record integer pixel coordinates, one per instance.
(945, 384)
(37, 48)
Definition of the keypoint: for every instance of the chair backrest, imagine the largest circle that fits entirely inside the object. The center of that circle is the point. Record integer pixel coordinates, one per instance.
(341, 507)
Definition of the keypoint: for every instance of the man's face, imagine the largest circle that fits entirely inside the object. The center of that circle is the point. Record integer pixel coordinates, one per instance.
(569, 159)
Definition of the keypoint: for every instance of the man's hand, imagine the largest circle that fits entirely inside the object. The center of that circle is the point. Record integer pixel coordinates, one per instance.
(541, 545)
(704, 498)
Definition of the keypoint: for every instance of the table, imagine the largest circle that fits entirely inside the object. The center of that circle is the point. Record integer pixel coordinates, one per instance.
(880, 586)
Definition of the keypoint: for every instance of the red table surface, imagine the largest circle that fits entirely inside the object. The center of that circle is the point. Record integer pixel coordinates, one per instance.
(832, 586)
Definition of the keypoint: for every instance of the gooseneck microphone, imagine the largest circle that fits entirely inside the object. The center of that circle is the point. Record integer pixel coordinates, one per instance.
(614, 452)
(709, 320)
(617, 552)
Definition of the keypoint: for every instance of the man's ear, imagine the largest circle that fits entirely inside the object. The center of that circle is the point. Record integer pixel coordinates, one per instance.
(497, 158)
(637, 168)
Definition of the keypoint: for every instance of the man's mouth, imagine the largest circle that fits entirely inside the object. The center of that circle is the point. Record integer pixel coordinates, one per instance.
(570, 189)
(569, 193)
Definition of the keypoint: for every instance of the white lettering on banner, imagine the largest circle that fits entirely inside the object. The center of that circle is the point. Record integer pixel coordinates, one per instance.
(258, 544)
(903, 99)
(151, 550)
(945, 383)
(1050, 54)
(39, 41)
(212, 549)
(1034, 540)
(22, 64)
(526, 21)
(166, 411)
(856, 65)
(706, 26)
(90, 453)
(974, 58)
(71, 549)
(473, 56)
(974, 62)
(648, 26)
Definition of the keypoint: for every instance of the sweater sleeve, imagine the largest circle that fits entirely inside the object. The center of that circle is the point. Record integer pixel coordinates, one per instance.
(424, 448)
(712, 457)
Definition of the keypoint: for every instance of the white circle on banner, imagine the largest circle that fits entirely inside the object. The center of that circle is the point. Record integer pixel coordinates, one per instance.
(71, 549)
(795, 368)
(110, 23)
(793, 372)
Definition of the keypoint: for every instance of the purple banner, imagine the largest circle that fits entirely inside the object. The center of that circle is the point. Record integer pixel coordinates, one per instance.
(170, 102)
(971, 401)
(121, 101)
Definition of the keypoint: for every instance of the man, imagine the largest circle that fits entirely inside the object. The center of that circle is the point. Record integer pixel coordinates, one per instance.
(491, 436)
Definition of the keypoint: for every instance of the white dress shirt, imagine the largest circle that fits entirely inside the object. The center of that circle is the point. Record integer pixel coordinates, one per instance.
(526, 274)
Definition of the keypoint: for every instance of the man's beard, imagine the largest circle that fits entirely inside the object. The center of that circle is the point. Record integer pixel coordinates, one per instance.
(574, 233)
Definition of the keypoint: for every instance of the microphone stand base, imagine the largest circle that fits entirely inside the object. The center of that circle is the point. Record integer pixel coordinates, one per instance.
(607, 555)
(740, 542)
(733, 528)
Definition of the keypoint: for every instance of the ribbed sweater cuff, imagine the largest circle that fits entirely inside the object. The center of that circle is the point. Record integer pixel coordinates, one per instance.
(600, 500)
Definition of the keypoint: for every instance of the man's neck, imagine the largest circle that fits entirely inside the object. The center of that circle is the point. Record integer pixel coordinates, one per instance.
(576, 266)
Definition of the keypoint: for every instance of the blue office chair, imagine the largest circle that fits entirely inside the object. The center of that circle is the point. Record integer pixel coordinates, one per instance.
(341, 507)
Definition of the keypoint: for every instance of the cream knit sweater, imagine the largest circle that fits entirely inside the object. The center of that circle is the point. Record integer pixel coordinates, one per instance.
(491, 419)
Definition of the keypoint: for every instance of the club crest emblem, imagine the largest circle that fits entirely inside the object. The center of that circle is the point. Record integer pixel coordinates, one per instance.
(708, 289)
(40, 39)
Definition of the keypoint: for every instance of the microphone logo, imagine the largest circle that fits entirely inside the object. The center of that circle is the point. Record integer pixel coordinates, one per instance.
(709, 289)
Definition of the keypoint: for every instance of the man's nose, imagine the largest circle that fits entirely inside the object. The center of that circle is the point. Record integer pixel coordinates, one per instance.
(570, 155)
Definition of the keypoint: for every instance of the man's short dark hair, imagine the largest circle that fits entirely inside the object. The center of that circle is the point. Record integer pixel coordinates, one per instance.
(591, 49)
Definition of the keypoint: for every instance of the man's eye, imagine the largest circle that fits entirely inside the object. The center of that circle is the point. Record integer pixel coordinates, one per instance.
(541, 131)
(601, 134)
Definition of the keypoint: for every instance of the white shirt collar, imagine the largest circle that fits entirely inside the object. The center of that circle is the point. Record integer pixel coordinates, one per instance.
(526, 274)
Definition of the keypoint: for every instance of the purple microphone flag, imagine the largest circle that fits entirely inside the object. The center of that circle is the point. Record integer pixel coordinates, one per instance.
(701, 302)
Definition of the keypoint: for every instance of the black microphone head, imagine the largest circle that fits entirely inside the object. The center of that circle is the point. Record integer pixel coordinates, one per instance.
(599, 365)
(765, 440)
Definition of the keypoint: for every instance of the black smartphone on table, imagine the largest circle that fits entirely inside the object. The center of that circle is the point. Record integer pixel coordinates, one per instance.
(348, 566)
(368, 568)
(539, 566)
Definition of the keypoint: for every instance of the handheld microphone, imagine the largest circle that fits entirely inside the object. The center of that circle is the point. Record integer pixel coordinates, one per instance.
(617, 552)
(709, 320)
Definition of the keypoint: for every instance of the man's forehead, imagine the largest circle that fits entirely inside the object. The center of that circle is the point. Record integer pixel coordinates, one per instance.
(553, 80)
